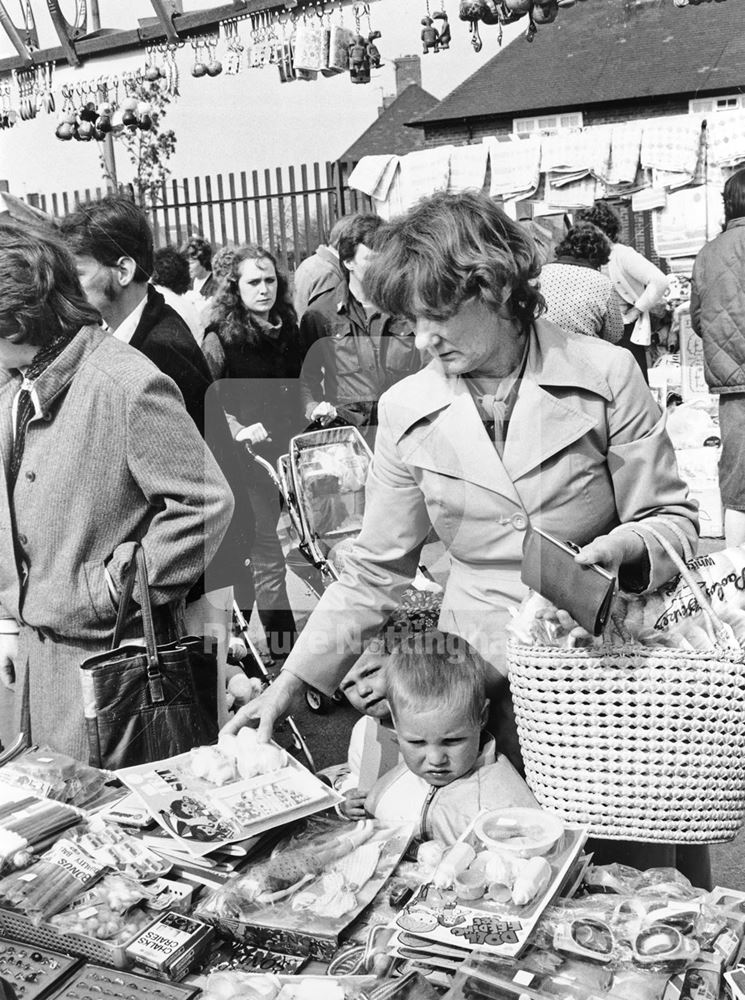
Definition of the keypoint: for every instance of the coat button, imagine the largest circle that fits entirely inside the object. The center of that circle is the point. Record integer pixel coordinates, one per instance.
(23, 539)
(31, 476)
(519, 521)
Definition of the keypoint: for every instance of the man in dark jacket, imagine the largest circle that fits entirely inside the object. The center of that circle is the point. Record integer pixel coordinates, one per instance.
(322, 272)
(717, 316)
(356, 352)
(113, 247)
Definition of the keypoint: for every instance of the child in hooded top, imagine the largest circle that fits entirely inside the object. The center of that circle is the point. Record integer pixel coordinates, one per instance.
(436, 690)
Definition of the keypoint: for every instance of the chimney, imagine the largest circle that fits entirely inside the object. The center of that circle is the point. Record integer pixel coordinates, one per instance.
(408, 71)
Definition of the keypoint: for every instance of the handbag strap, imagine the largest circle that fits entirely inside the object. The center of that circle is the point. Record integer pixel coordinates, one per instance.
(138, 571)
(721, 631)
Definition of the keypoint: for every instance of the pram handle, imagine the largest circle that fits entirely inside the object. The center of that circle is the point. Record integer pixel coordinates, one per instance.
(262, 463)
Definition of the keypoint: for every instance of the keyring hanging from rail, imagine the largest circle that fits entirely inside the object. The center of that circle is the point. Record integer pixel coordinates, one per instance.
(66, 32)
(24, 39)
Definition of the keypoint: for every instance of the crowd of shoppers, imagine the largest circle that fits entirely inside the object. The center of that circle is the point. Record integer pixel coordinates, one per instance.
(135, 385)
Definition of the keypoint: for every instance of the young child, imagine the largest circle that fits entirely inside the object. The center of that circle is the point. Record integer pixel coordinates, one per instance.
(436, 690)
(373, 746)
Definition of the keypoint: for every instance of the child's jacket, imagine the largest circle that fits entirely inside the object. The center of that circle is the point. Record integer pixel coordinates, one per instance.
(444, 813)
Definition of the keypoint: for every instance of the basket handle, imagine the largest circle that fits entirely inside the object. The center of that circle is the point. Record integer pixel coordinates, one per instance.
(721, 632)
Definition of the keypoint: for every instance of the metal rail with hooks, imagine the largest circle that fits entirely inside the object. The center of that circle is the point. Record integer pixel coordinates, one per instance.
(169, 24)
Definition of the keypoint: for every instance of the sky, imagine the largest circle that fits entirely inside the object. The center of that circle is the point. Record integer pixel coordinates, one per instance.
(243, 122)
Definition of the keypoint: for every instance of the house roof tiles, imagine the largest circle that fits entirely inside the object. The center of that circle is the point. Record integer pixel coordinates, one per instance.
(388, 133)
(607, 51)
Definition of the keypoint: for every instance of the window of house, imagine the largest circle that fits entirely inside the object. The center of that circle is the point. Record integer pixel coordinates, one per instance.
(729, 102)
(546, 124)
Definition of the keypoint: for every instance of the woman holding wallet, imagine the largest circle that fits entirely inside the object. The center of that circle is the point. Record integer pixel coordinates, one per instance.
(513, 422)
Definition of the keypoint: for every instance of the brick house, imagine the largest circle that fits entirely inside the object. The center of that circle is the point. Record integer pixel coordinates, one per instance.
(601, 61)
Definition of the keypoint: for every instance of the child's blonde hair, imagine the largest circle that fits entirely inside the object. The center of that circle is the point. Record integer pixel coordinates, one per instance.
(439, 669)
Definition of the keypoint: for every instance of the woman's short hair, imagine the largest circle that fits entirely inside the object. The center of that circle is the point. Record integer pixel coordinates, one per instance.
(199, 249)
(449, 248)
(734, 197)
(109, 229)
(602, 216)
(586, 242)
(231, 316)
(436, 668)
(40, 293)
(171, 270)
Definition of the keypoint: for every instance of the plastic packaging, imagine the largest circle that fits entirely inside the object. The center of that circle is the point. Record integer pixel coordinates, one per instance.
(53, 775)
(48, 886)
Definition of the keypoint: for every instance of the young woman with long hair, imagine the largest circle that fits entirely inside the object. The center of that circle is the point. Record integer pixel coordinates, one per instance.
(253, 348)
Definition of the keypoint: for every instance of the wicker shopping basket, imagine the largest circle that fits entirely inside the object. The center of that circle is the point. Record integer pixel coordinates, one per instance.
(639, 743)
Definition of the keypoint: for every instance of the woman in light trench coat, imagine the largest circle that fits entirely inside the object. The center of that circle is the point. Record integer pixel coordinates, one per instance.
(514, 421)
(96, 452)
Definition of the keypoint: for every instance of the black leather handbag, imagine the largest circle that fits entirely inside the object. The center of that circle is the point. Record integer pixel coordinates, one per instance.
(145, 703)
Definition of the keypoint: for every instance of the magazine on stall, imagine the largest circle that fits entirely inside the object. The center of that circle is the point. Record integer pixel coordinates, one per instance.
(201, 817)
(437, 927)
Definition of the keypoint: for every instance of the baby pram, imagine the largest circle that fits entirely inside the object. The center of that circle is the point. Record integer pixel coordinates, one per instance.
(322, 480)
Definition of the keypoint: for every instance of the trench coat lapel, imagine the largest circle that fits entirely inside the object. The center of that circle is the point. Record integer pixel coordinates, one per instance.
(541, 425)
(454, 441)
(451, 439)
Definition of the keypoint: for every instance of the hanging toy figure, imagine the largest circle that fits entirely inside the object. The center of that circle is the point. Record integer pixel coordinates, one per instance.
(359, 63)
(471, 11)
(373, 52)
(444, 39)
(430, 36)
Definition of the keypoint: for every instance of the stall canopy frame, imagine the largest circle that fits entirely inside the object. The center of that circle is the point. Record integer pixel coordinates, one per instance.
(170, 25)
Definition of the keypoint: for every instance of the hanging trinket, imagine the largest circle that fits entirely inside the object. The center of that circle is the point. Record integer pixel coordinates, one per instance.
(373, 52)
(281, 50)
(67, 122)
(430, 35)
(307, 51)
(340, 38)
(444, 29)
(359, 61)
(104, 109)
(200, 66)
(8, 114)
(152, 70)
(470, 11)
(214, 66)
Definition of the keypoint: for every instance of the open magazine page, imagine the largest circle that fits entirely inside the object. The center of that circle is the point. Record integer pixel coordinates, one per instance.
(436, 922)
(202, 817)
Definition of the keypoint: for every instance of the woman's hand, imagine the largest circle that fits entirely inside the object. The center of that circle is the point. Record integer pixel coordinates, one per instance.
(613, 551)
(254, 434)
(275, 703)
(353, 806)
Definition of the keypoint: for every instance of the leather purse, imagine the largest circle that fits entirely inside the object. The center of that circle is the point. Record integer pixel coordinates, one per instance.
(585, 592)
(145, 703)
